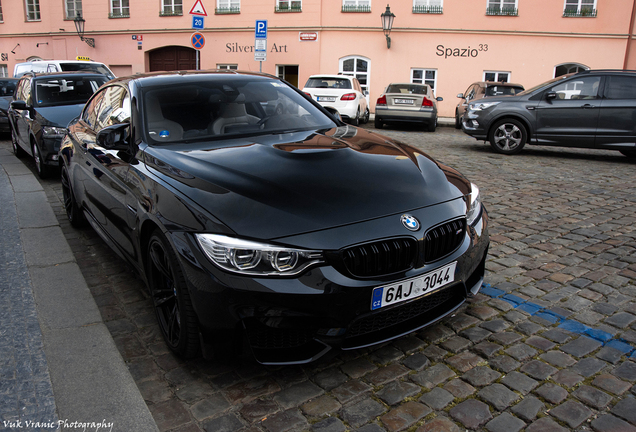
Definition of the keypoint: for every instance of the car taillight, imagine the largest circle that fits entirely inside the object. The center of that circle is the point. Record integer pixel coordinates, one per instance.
(427, 102)
(348, 96)
(381, 101)
(308, 94)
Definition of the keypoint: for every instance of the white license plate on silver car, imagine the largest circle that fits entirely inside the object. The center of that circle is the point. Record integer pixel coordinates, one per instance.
(403, 101)
(326, 99)
(413, 288)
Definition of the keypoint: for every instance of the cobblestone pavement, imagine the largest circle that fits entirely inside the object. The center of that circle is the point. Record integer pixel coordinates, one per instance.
(547, 346)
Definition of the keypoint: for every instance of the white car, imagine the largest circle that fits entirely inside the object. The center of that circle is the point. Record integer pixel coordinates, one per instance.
(342, 93)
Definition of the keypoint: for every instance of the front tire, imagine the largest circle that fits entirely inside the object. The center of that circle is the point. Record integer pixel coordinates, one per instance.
(508, 136)
(17, 150)
(169, 292)
(367, 114)
(73, 211)
(458, 123)
(42, 170)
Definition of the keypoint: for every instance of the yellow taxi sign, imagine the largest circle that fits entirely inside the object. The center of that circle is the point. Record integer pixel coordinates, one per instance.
(83, 58)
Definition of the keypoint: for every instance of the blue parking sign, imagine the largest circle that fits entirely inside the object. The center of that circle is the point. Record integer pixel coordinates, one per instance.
(260, 31)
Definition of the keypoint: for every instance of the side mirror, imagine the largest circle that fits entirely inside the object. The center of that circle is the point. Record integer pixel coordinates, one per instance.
(366, 92)
(439, 99)
(460, 95)
(114, 137)
(550, 95)
(19, 105)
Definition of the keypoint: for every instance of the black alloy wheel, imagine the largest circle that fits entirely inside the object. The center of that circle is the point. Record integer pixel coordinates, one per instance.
(508, 136)
(17, 150)
(73, 212)
(367, 114)
(171, 299)
(42, 170)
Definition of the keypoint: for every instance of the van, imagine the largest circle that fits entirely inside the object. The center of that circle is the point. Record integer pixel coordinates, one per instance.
(43, 66)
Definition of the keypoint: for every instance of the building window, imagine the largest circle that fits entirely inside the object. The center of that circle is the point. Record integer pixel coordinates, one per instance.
(356, 5)
(567, 68)
(358, 67)
(119, 9)
(32, 10)
(227, 66)
(1, 19)
(579, 8)
(428, 6)
(502, 7)
(73, 8)
(4, 72)
(228, 6)
(289, 6)
(171, 8)
(424, 76)
(496, 76)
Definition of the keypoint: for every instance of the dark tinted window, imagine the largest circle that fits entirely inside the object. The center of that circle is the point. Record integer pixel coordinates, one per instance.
(584, 87)
(7, 87)
(66, 91)
(503, 90)
(87, 67)
(406, 88)
(621, 87)
(335, 83)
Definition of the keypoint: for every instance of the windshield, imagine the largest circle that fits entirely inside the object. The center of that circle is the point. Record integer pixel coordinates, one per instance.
(331, 83)
(88, 67)
(407, 89)
(66, 91)
(206, 107)
(537, 87)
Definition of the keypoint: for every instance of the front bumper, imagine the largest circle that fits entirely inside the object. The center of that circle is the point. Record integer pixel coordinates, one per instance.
(297, 320)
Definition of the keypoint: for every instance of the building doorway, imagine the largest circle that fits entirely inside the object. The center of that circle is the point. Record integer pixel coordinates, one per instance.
(289, 73)
(172, 58)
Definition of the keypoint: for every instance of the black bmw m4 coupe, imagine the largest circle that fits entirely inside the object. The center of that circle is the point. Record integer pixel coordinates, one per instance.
(258, 219)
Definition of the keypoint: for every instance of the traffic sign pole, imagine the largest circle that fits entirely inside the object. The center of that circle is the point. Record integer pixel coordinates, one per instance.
(260, 42)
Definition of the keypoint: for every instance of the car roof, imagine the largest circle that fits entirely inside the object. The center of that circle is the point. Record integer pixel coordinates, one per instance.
(407, 83)
(332, 76)
(45, 75)
(493, 83)
(176, 77)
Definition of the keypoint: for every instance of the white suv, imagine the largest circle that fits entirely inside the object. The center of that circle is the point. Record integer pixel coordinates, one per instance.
(45, 66)
(340, 92)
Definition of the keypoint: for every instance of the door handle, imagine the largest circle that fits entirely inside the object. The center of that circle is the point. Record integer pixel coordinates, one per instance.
(588, 106)
(530, 107)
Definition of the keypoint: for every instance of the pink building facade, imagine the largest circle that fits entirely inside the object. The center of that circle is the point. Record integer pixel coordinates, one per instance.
(446, 43)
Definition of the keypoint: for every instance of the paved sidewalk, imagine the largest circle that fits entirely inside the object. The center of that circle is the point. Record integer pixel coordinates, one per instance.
(59, 366)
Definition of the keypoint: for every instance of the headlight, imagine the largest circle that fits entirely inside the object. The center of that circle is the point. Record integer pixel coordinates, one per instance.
(478, 106)
(257, 259)
(474, 206)
(52, 131)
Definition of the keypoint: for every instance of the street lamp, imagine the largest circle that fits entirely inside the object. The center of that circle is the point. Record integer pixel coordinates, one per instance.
(79, 26)
(387, 24)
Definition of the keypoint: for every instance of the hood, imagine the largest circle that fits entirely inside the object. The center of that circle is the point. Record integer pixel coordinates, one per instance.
(59, 115)
(284, 184)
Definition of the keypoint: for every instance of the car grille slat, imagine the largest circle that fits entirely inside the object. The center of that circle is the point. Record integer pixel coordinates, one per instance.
(443, 239)
(380, 258)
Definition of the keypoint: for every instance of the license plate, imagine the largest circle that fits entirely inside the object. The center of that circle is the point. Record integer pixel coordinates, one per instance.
(413, 288)
(326, 99)
(403, 101)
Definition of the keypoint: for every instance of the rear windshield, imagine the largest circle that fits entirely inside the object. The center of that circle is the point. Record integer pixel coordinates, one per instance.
(87, 67)
(330, 83)
(407, 89)
(498, 90)
(66, 91)
(7, 87)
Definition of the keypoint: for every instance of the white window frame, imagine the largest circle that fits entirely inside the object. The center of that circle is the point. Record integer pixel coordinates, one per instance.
(428, 3)
(579, 4)
(4, 71)
(497, 75)
(227, 66)
(288, 4)
(228, 5)
(169, 7)
(1, 16)
(355, 73)
(71, 12)
(502, 4)
(423, 80)
(121, 10)
(32, 9)
(356, 3)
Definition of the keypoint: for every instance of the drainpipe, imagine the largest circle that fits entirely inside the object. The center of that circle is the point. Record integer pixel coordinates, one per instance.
(629, 36)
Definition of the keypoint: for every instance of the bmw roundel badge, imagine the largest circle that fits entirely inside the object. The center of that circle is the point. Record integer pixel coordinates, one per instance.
(410, 222)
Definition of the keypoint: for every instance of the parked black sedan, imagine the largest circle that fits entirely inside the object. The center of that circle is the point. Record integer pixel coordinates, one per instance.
(288, 232)
(589, 109)
(42, 106)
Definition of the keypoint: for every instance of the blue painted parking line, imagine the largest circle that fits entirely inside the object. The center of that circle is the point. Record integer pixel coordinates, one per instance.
(607, 339)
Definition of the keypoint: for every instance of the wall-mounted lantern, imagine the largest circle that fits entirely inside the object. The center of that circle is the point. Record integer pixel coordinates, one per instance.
(387, 24)
(79, 26)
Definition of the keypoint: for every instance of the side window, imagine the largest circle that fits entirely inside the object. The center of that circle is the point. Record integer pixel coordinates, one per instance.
(470, 93)
(621, 87)
(115, 108)
(578, 88)
(92, 109)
